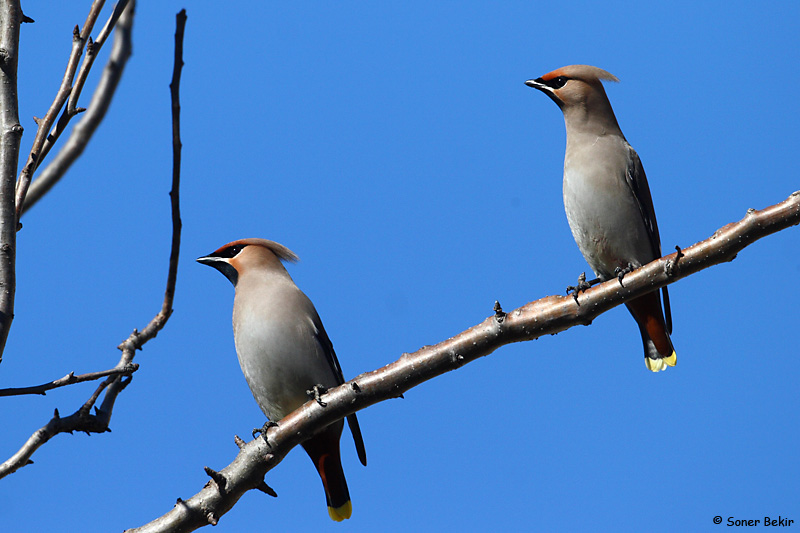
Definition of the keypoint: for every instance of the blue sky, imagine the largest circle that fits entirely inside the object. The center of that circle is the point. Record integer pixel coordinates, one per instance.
(396, 150)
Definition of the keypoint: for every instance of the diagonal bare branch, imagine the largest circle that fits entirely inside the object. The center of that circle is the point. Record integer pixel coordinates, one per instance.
(547, 316)
(101, 100)
(45, 136)
(10, 137)
(92, 50)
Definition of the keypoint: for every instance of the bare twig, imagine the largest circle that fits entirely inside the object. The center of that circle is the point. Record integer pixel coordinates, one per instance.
(10, 137)
(70, 379)
(175, 98)
(92, 49)
(137, 339)
(45, 137)
(101, 100)
(546, 316)
(82, 420)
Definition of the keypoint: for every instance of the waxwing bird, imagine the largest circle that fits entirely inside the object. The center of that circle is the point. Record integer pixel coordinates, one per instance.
(607, 198)
(284, 351)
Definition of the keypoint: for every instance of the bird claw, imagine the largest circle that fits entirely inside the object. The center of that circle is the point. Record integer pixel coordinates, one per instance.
(316, 394)
(582, 286)
(263, 431)
(620, 272)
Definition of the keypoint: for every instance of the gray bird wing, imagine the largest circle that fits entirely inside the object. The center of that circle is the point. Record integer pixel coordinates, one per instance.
(352, 421)
(637, 181)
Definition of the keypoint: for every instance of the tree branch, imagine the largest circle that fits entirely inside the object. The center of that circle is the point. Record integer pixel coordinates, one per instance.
(92, 50)
(69, 379)
(13, 196)
(175, 99)
(80, 420)
(546, 316)
(101, 100)
(83, 420)
(44, 141)
(10, 137)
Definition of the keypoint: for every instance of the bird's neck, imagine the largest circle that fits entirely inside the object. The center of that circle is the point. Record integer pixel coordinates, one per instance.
(596, 120)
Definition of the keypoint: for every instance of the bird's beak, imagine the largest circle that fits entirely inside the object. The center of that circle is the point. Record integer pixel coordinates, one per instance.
(207, 260)
(538, 84)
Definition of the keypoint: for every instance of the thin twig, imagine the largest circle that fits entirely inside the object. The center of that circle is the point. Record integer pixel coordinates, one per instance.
(101, 100)
(546, 316)
(44, 134)
(70, 379)
(98, 422)
(137, 339)
(175, 97)
(80, 420)
(88, 61)
(10, 137)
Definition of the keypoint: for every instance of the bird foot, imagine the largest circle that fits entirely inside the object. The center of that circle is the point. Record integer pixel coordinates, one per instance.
(263, 431)
(620, 272)
(316, 394)
(582, 286)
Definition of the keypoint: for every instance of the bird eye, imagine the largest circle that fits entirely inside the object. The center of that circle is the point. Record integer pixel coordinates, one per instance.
(559, 82)
(231, 251)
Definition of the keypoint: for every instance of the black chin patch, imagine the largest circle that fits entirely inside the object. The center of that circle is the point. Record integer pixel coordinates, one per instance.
(223, 266)
(228, 271)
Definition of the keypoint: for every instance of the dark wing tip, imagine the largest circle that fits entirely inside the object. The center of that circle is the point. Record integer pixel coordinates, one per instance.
(352, 421)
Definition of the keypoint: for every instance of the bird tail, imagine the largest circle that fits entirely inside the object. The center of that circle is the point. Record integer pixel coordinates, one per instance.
(323, 449)
(654, 361)
(658, 350)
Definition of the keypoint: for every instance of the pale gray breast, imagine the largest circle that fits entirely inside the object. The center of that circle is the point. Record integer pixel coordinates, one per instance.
(603, 213)
(279, 348)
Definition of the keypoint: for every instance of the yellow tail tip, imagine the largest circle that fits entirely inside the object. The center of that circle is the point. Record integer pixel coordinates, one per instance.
(656, 365)
(341, 513)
